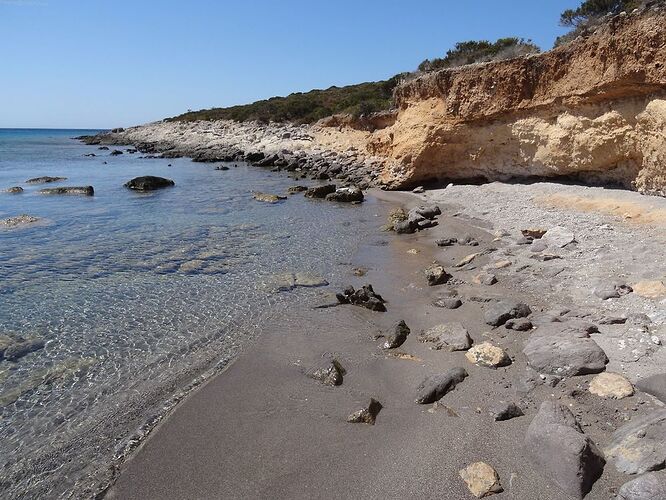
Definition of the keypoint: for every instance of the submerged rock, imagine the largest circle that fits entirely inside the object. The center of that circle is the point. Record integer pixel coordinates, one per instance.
(447, 337)
(366, 415)
(267, 198)
(14, 190)
(640, 445)
(70, 190)
(561, 451)
(148, 183)
(45, 180)
(364, 297)
(400, 333)
(20, 348)
(19, 220)
(433, 388)
(481, 479)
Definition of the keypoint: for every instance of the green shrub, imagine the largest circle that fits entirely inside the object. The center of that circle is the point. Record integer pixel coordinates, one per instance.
(590, 10)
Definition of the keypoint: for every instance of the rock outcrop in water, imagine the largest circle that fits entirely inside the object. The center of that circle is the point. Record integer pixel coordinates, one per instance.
(70, 190)
(148, 183)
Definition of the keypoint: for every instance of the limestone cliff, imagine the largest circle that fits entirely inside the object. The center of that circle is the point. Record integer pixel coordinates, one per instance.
(593, 109)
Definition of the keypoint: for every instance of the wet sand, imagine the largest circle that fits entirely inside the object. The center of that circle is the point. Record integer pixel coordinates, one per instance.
(263, 429)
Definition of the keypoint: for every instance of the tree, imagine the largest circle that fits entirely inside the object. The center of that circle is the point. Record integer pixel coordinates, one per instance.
(592, 9)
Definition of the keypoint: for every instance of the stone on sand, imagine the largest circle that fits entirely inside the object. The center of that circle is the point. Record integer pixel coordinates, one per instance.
(447, 337)
(558, 236)
(400, 333)
(481, 479)
(612, 289)
(611, 385)
(447, 302)
(436, 275)
(500, 312)
(518, 324)
(331, 374)
(488, 355)
(650, 486)
(433, 388)
(505, 411)
(484, 279)
(640, 445)
(366, 415)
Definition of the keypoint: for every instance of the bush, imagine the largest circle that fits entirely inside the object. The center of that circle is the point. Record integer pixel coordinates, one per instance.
(591, 10)
(474, 51)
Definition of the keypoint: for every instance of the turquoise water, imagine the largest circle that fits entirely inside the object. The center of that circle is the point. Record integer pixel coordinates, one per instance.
(135, 294)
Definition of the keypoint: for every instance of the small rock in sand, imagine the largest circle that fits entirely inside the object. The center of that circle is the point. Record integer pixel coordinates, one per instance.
(558, 236)
(446, 242)
(366, 415)
(467, 259)
(505, 411)
(487, 279)
(488, 355)
(447, 337)
(500, 312)
(400, 333)
(533, 233)
(519, 324)
(611, 385)
(651, 289)
(612, 289)
(481, 479)
(331, 374)
(418, 190)
(433, 388)
(447, 302)
(436, 275)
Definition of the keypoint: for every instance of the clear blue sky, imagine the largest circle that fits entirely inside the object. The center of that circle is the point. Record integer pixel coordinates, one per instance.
(93, 63)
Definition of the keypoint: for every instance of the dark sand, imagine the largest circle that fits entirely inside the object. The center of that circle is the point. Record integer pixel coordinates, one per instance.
(262, 429)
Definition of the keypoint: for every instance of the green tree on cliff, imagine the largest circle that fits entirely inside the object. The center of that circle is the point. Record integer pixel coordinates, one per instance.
(590, 10)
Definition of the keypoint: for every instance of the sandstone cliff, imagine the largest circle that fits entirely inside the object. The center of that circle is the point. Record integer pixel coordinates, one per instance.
(594, 109)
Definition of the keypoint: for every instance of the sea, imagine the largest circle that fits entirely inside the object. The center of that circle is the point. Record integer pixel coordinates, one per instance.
(138, 297)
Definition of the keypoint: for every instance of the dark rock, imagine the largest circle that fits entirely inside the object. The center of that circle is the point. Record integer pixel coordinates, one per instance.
(612, 290)
(561, 451)
(655, 385)
(436, 275)
(103, 148)
(366, 415)
(447, 302)
(221, 167)
(426, 224)
(21, 348)
(500, 312)
(254, 157)
(640, 445)
(427, 212)
(76, 190)
(14, 190)
(331, 374)
(116, 152)
(519, 324)
(364, 297)
(320, 191)
(406, 226)
(148, 183)
(447, 337)
(650, 486)
(446, 242)
(346, 195)
(90, 154)
(400, 333)
(564, 349)
(45, 180)
(297, 189)
(435, 387)
(505, 411)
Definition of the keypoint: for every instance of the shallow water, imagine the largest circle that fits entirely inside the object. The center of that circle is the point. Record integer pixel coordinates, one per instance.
(135, 294)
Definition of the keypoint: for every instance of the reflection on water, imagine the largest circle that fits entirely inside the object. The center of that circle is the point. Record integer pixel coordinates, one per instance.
(128, 289)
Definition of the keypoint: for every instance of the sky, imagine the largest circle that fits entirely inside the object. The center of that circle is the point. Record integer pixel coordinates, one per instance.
(103, 64)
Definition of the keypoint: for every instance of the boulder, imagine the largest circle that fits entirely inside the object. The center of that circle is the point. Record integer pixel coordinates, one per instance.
(488, 355)
(45, 180)
(650, 486)
(433, 388)
(297, 189)
(400, 333)
(331, 374)
(655, 385)
(14, 190)
(267, 198)
(558, 237)
(611, 385)
(481, 479)
(447, 337)
(148, 183)
(436, 275)
(70, 190)
(561, 451)
(640, 445)
(366, 415)
(346, 195)
(564, 349)
(320, 191)
(406, 226)
(518, 324)
(505, 411)
(612, 289)
(500, 312)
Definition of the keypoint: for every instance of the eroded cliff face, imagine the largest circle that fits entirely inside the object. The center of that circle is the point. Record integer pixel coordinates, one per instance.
(593, 109)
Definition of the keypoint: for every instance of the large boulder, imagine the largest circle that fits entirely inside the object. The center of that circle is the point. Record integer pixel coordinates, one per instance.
(500, 312)
(346, 195)
(447, 337)
(561, 451)
(650, 486)
(640, 445)
(655, 385)
(433, 388)
(564, 349)
(70, 190)
(148, 183)
(320, 191)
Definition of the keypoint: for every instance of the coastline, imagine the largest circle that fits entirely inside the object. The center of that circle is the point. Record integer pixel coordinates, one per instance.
(264, 428)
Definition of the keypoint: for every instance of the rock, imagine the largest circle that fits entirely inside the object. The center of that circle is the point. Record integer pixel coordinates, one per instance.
(406, 227)
(45, 180)
(395, 216)
(533, 233)
(655, 289)
(640, 445)
(487, 279)
(148, 183)
(267, 198)
(427, 212)
(447, 337)
(558, 237)
(468, 240)
(70, 190)
(418, 190)
(366, 415)
(103, 148)
(519, 324)
(222, 168)
(346, 195)
(22, 347)
(488, 355)
(446, 242)
(612, 289)
(116, 152)
(447, 302)
(192, 266)
(481, 479)
(297, 189)
(561, 451)
(331, 374)
(655, 385)
(500, 312)
(14, 190)
(364, 297)
(564, 349)
(505, 411)
(611, 385)
(320, 191)
(650, 486)
(309, 280)
(436, 275)
(467, 259)
(19, 220)
(400, 333)
(433, 388)
(538, 246)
